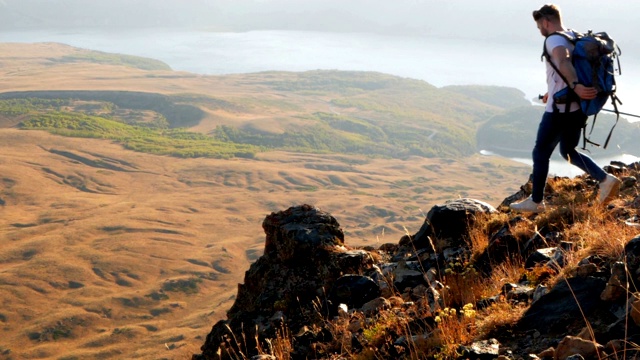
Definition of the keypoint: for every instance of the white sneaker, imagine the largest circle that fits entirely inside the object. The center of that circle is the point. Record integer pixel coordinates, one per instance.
(609, 188)
(528, 205)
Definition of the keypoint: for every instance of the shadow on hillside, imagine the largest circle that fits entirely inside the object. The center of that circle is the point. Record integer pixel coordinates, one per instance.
(177, 114)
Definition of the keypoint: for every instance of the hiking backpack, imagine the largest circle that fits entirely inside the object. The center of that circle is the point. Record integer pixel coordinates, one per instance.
(593, 57)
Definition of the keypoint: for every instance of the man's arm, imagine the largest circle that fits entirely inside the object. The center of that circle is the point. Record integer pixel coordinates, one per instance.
(562, 58)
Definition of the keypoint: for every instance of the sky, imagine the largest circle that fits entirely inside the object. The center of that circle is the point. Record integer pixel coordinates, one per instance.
(506, 19)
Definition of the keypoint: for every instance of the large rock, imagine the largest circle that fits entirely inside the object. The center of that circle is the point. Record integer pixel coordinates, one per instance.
(450, 223)
(304, 256)
(299, 232)
(554, 312)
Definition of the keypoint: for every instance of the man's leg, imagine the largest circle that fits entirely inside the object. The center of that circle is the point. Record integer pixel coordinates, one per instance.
(547, 139)
(609, 184)
(569, 141)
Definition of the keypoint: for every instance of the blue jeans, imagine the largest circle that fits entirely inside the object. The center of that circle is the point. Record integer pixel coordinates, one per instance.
(563, 128)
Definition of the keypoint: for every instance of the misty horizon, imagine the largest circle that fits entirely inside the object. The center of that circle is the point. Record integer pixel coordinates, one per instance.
(499, 20)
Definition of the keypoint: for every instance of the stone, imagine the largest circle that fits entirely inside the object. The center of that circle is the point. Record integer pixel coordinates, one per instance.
(431, 276)
(354, 291)
(419, 291)
(616, 288)
(520, 294)
(554, 312)
(586, 270)
(481, 350)
(449, 222)
(628, 182)
(408, 274)
(584, 334)
(549, 353)
(375, 306)
(572, 345)
(355, 325)
(551, 257)
(539, 292)
(434, 299)
(396, 301)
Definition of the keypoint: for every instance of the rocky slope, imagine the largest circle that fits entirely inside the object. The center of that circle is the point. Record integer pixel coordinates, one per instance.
(442, 292)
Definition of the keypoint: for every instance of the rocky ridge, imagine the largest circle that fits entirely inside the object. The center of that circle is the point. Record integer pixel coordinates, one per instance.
(310, 296)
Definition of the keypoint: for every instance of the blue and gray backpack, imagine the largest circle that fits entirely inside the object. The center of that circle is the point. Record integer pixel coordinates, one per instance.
(594, 57)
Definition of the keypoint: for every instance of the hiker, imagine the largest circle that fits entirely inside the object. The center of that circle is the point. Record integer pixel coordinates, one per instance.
(558, 126)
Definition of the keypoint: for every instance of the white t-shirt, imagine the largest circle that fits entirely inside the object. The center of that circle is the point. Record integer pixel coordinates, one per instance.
(554, 80)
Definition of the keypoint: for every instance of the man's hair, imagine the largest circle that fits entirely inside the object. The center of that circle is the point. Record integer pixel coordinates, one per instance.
(550, 12)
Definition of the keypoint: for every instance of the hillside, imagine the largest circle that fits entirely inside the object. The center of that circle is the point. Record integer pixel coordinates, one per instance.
(474, 282)
(113, 253)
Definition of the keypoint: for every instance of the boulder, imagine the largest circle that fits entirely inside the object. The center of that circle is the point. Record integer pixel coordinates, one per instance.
(304, 257)
(449, 222)
(554, 312)
(299, 232)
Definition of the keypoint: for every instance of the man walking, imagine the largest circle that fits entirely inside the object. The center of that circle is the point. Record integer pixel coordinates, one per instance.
(557, 125)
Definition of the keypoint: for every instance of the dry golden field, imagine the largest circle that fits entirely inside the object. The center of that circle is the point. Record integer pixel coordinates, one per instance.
(112, 254)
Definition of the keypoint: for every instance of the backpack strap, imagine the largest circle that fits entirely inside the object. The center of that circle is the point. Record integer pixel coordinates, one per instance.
(547, 56)
(586, 140)
(614, 101)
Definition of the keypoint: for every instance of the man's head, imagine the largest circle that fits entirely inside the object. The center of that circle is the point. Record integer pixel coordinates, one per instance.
(548, 19)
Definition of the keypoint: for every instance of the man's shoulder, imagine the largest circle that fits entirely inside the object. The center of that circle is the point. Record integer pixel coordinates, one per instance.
(565, 35)
(559, 38)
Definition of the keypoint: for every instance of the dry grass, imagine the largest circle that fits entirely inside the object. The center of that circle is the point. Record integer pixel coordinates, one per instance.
(501, 315)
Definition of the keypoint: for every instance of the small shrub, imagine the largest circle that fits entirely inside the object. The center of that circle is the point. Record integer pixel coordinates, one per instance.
(187, 286)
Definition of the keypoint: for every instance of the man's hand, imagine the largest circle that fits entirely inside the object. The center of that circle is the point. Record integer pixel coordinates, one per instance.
(561, 56)
(584, 92)
(545, 98)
